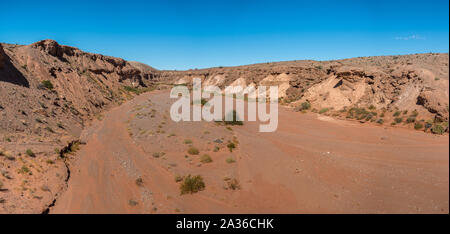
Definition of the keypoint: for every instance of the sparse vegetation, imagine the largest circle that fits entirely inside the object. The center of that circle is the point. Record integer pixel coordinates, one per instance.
(24, 170)
(187, 141)
(437, 129)
(418, 126)
(230, 160)
(323, 110)
(232, 184)
(231, 146)
(205, 158)
(411, 119)
(158, 154)
(192, 184)
(30, 153)
(216, 148)
(136, 91)
(397, 113)
(304, 106)
(193, 151)
(398, 120)
(139, 182)
(47, 84)
(132, 202)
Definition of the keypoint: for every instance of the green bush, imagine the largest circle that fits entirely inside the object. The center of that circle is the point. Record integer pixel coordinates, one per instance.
(418, 126)
(192, 184)
(231, 146)
(323, 110)
(397, 113)
(437, 129)
(411, 119)
(47, 84)
(193, 151)
(398, 120)
(30, 153)
(24, 170)
(205, 159)
(304, 106)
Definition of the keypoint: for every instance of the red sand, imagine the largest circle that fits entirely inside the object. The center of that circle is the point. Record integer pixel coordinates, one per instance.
(308, 165)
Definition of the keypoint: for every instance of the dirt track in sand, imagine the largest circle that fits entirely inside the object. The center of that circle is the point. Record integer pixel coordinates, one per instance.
(309, 165)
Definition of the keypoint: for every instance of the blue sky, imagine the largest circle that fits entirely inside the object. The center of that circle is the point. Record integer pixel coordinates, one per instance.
(197, 34)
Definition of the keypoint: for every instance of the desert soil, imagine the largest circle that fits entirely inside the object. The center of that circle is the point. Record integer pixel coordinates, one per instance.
(311, 164)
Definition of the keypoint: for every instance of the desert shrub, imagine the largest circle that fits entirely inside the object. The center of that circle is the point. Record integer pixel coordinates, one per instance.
(49, 161)
(231, 146)
(193, 151)
(187, 141)
(132, 202)
(405, 112)
(304, 106)
(234, 116)
(230, 160)
(411, 119)
(30, 153)
(132, 89)
(216, 148)
(323, 110)
(192, 184)
(437, 129)
(205, 158)
(418, 126)
(158, 154)
(380, 121)
(398, 120)
(24, 170)
(372, 107)
(232, 184)
(47, 84)
(414, 113)
(359, 114)
(397, 113)
(139, 182)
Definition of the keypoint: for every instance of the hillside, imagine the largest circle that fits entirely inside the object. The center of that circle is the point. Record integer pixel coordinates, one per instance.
(50, 92)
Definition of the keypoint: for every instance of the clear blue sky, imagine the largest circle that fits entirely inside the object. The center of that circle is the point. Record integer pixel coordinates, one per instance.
(196, 34)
